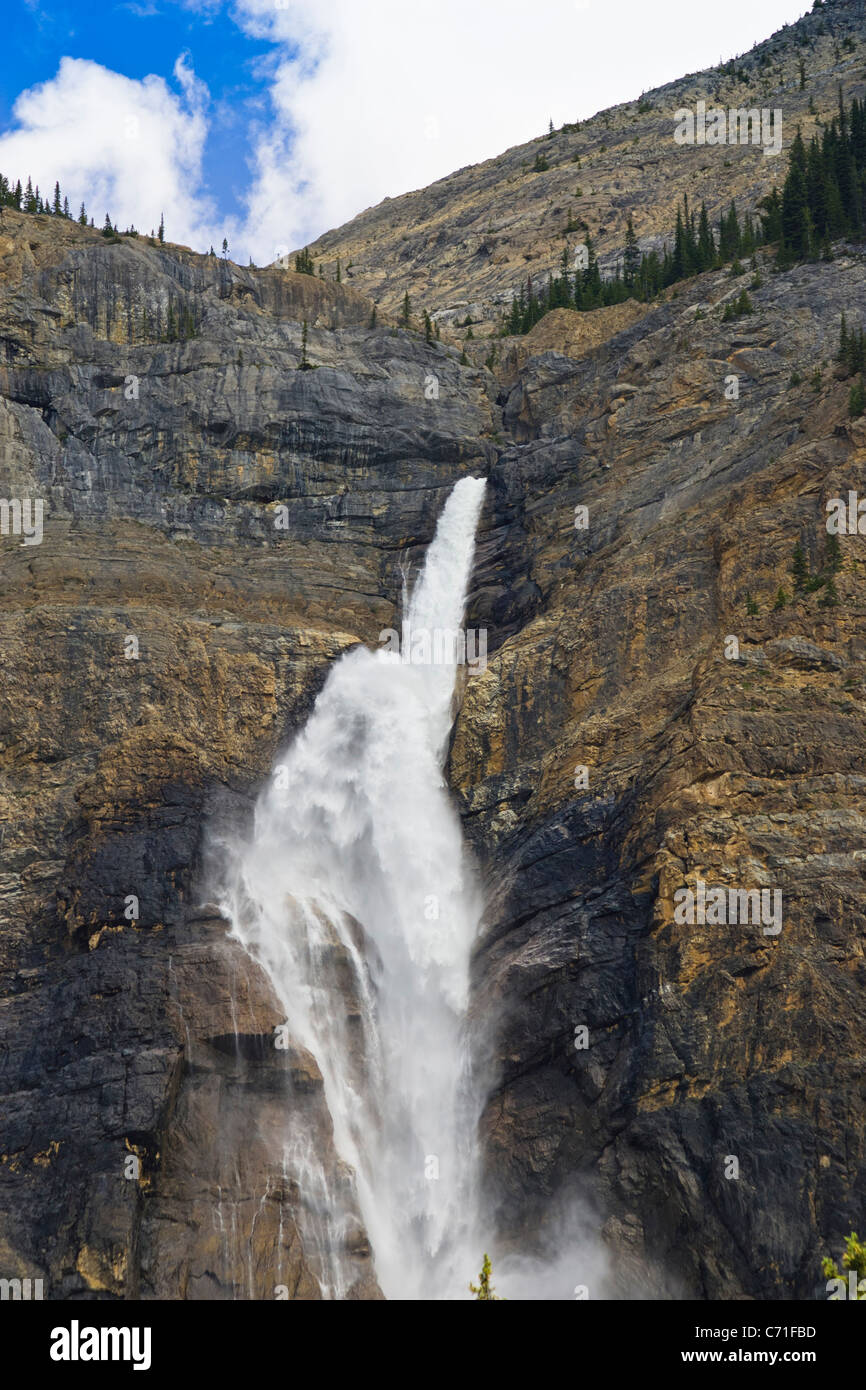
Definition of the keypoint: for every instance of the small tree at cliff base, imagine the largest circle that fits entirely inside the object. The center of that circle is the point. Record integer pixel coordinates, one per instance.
(483, 1290)
(854, 1259)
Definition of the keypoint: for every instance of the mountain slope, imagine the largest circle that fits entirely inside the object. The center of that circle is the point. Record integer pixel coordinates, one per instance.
(463, 246)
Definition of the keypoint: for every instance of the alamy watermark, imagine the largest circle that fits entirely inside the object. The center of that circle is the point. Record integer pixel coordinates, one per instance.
(22, 517)
(838, 1290)
(21, 1290)
(719, 907)
(846, 519)
(737, 126)
(77, 1343)
(440, 646)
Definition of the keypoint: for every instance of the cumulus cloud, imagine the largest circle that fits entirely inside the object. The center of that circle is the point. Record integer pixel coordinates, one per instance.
(129, 148)
(375, 99)
(360, 101)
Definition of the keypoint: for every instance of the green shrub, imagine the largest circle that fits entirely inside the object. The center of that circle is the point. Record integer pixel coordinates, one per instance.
(853, 1258)
(483, 1290)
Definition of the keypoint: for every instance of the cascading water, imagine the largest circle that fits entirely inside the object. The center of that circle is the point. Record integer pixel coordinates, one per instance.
(356, 895)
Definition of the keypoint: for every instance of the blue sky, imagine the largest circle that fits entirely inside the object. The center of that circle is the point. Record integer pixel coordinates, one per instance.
(143, 37)
(269, 121)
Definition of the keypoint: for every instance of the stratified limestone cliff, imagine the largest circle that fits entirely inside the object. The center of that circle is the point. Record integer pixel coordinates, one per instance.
(159, 645)
(705, 1041)
(168, 469)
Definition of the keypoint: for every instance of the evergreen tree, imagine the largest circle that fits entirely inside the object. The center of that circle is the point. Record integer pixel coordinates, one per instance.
(823, 195)
(799, 569)
(161, 233)
(848, 353)
(829, 598)
(483, 1290)
(678, 261)
(730, 237)
(842, 354)
(833, 554)
(855, 355)
(796, 241)
(691, 251)
(854, 1259)
(737, 308)
(631, 257)
(771, 207)
(706, 246)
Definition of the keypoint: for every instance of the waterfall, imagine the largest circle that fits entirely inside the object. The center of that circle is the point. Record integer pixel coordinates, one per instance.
(356, 895)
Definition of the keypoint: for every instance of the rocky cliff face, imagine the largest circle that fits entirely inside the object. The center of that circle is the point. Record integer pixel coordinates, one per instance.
(159, 645)
(219, 525)
(732, 765)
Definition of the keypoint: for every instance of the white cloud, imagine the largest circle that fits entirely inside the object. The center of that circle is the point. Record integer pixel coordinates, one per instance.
(364, 100)
(129, 148)
(393, 95)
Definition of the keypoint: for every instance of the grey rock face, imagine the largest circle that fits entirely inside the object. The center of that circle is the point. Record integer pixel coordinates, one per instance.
(147, 1037)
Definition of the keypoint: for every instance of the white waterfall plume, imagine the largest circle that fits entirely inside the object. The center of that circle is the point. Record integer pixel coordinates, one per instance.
(356, 895)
